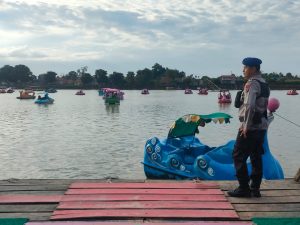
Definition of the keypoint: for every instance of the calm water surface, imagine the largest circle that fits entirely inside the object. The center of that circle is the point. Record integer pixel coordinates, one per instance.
(80, 137)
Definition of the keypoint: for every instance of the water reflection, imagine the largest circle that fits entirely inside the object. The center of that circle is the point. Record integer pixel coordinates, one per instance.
(43, 105)
(112, 109)
(225, 107)
(88, 139)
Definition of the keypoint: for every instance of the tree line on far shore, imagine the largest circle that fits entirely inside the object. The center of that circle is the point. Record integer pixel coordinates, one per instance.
(157, 77)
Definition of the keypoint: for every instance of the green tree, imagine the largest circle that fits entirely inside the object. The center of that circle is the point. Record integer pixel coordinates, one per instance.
(130, 80)
(117, 80)
(216, 81)
(82, 71)
(289, 76)
(19, 73)
(86, 78)
(72, 75)
(143, 78)
(206, 80)
(6, 73)
(179, 79)
(188, 81)
(172, 78)
(50, 77)
(158, 70)
(101, 77)
(22, 73)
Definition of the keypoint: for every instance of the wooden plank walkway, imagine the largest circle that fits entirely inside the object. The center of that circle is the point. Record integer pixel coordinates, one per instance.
(125, 198)
(141, 223)
(132, 197)
(280, 199)
(166, 185)
(145, 191)
(145, 214)
(145, 204)
(30, 198)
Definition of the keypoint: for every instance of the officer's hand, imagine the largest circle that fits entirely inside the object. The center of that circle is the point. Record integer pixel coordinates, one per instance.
(243, 132)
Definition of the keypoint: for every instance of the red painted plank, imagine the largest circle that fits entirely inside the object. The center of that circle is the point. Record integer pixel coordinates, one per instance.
(146, 191)
(140, 213)
(29, 198)
(130, 197)
(145, 205)
(185, 185)
(140, 223)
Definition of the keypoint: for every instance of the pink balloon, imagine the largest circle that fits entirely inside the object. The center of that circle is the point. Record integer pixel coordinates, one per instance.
(273, 104)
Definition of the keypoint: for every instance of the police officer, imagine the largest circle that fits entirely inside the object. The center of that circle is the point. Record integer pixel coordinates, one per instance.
(252, 104)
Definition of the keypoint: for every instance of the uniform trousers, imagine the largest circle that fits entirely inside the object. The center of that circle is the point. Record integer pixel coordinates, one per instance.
(245, 147)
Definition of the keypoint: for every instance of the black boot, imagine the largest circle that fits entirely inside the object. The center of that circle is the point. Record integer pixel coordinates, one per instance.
(255, 193)
(240, 192)
(254, 187)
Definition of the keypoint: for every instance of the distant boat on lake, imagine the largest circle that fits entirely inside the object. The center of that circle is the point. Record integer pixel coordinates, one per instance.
(145, 92)
(188, 91)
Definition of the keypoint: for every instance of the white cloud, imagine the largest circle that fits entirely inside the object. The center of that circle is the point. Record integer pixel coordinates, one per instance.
(20, 52)
(148, 32)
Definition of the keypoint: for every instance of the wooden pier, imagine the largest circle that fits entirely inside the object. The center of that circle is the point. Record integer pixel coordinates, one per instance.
(125, 202)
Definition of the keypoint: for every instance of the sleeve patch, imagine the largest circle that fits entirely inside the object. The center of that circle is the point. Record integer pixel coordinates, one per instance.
(247, 86)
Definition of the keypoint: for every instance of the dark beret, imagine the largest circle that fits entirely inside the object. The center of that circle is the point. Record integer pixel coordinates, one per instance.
(251, 61)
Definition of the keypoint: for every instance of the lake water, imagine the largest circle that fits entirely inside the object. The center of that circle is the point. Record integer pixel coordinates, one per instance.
(80, 137)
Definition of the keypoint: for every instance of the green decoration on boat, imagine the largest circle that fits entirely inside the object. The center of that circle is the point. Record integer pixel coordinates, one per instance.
(188, 124)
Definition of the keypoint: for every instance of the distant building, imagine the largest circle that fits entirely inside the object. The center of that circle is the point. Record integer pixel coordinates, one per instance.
(228, 79)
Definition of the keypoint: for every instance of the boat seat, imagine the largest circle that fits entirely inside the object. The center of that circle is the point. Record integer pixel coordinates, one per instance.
(223, 154)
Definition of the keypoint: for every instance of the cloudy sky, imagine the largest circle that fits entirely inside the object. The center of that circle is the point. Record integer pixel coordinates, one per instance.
(201, 37)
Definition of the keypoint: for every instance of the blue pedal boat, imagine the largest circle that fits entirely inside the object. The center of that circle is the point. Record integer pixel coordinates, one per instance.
(44, 100)
(183, 156)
